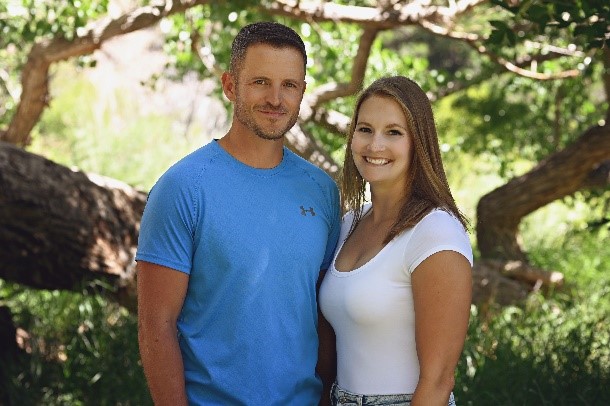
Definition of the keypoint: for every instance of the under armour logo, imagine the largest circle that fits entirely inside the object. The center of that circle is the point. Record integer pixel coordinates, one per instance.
(304, 211)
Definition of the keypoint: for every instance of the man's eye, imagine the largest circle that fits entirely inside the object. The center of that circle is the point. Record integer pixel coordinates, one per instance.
(291, 85)
(260, 81)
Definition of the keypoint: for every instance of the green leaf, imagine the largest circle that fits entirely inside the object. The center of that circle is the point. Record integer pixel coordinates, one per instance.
(538, 14)
(496, 37)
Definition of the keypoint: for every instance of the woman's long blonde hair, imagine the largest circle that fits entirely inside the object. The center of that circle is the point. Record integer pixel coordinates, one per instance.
(427, 186)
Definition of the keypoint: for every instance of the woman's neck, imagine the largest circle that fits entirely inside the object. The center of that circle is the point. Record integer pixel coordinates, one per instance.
(386, 206)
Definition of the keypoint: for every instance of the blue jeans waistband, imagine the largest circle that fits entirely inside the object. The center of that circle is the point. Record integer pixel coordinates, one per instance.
(341, 397)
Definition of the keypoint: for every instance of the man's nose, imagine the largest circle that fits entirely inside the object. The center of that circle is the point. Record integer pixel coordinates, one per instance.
(274, 95)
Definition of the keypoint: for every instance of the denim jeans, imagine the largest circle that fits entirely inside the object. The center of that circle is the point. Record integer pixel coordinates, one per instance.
(340, 397)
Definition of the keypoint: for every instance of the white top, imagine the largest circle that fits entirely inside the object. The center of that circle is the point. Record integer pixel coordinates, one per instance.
(371, 307)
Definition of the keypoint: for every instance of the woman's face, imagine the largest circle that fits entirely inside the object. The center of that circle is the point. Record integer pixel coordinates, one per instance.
(382, 146)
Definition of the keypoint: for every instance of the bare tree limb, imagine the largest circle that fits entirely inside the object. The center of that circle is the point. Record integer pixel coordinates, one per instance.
(606, 79)
(332, 120)
(307, 146)
(333, 91)
(500, 212)
(65, 229)
(599, 177)
(4, 80)
(380, 18)
(200, 46)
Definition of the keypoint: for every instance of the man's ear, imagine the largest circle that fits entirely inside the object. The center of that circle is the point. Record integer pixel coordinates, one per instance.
(228, 85)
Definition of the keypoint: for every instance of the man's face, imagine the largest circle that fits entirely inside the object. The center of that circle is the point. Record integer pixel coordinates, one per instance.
(268, 90)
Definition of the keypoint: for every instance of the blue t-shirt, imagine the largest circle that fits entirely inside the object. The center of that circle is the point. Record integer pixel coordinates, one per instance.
(253, 242)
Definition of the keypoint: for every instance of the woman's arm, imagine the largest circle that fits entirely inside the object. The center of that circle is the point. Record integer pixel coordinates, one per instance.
(442, 293)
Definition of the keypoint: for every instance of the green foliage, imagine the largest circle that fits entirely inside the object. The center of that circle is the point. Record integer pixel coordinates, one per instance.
(515, 118)
(553, 350)
(24, 22)
(107, 135)
(585, 21)
(502, 34)
(578, 247)
(82, 350)
(30, 20)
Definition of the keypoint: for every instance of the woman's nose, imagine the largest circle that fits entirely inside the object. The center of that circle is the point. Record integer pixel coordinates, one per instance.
(376, 143)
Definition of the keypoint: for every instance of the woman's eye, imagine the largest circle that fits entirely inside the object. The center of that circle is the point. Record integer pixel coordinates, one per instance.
(395, 132)
(364, 129)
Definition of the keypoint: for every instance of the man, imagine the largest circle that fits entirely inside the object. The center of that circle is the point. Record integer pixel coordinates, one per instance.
(231, 245)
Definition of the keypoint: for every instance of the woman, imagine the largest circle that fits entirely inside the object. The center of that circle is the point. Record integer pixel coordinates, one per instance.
(398, 292)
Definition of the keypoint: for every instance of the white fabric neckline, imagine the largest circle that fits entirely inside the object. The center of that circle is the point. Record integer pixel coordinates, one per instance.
(372, 260)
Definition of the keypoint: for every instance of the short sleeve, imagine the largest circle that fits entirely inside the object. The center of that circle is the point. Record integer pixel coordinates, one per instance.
(334, 229)
(437, 231)
(167, 227)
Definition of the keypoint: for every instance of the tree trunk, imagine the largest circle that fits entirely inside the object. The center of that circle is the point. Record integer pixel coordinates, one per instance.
(561, 174)
(63, 229)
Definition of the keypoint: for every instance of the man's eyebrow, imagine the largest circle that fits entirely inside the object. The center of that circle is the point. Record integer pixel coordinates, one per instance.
(296, 80)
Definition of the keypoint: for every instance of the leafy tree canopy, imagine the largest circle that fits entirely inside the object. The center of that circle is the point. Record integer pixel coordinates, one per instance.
(586, 21)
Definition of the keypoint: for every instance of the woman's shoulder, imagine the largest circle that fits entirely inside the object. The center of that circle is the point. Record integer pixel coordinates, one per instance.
(439, 217)
(439, 230)
(441, 226)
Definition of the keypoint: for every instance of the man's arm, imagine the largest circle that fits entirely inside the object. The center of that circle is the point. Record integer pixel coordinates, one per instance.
(161, 293)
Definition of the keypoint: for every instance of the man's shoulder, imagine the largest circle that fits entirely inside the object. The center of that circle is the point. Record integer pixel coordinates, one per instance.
(199, 156)
(188, 170)
(310, 169)
(197, 160)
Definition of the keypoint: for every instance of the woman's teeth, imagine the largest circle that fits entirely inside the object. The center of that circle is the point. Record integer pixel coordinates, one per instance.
(377, 161)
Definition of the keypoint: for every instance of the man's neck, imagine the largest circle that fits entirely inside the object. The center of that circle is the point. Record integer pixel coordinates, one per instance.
(252, 150)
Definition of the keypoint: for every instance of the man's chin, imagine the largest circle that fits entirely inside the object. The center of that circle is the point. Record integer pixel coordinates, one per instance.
(272, 136)
(278, 138)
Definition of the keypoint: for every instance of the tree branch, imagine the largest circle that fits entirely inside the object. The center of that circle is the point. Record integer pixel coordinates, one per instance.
(200, 46)
(381, 18)
(307, 146)
(497, 228)
(473, 40)
(606, 79)
(332, 120)
(64, 229)
(333, 91)
(599, 177)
